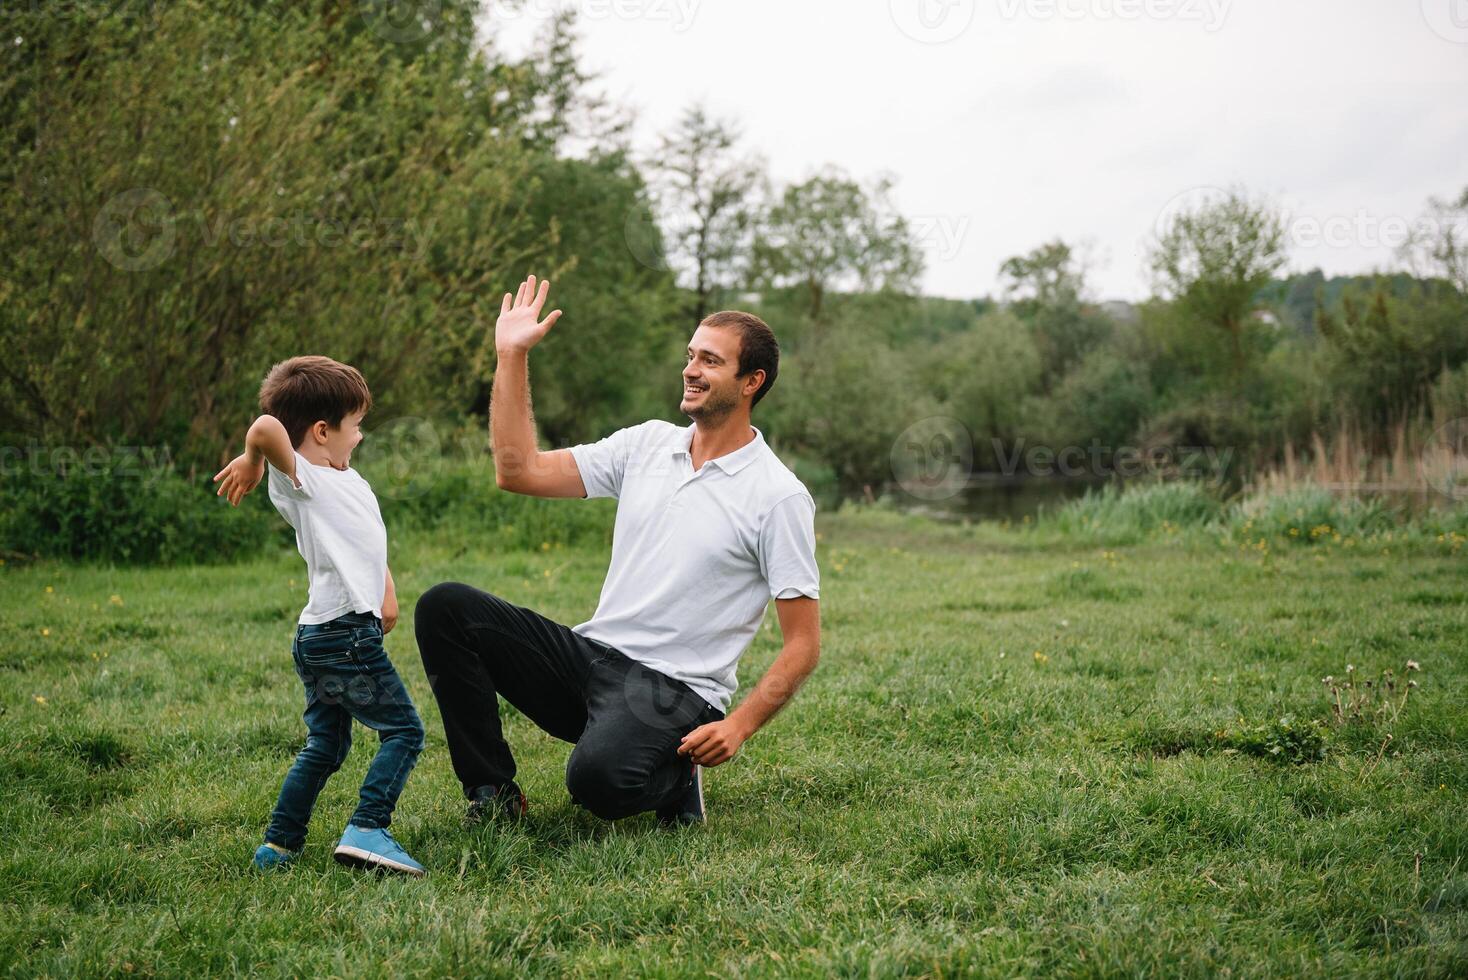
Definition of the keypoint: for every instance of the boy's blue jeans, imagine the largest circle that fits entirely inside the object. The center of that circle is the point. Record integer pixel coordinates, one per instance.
(347, 675)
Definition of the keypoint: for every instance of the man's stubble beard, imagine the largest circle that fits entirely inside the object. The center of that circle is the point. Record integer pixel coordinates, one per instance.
(716, 407)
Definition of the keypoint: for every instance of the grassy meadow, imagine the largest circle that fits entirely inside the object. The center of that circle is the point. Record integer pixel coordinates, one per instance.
(1023, 753)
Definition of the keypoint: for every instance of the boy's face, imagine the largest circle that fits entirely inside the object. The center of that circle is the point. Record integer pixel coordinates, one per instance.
(339, 442)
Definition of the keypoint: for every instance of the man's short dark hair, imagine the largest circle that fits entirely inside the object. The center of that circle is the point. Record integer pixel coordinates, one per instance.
(758, 349)
(305, 390)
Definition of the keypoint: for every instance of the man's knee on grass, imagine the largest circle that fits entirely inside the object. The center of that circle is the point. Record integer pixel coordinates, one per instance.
(436, 607)
(593, 781)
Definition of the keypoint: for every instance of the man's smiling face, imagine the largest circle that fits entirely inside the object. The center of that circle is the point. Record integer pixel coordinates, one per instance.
(711, 386)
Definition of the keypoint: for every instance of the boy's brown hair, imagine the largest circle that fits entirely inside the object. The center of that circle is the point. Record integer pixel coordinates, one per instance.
(304, 390)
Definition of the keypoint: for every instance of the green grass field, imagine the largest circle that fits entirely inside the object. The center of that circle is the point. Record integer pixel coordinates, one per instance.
(1017, 756)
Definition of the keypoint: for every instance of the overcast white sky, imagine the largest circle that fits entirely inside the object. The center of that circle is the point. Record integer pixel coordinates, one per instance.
(1009, 122)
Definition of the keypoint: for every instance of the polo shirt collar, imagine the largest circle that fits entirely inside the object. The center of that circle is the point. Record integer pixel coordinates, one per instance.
(730, 463)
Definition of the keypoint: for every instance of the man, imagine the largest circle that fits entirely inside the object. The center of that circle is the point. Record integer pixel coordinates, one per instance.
(710, 526)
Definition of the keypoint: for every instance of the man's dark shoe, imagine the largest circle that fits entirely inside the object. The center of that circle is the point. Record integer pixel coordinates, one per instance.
(688, 808)
(505, 802)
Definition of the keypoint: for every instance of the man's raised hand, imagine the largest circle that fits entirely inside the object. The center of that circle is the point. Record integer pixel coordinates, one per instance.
(517, 329)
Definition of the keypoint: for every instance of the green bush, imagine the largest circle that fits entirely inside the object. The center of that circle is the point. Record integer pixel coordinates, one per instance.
(125, 509)
(818, 477)
(1310, 516)
(1131, 513)
(1304, 516)
(457, 496)
(1449, 522)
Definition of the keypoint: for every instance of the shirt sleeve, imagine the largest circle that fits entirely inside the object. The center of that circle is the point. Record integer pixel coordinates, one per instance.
(603, 464)
(787, 548)
(305, 479)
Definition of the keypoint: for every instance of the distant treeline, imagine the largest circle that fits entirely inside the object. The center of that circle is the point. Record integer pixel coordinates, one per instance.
(196, 190)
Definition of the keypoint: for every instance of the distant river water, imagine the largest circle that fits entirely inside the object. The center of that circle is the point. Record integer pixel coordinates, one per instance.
(1000, 499)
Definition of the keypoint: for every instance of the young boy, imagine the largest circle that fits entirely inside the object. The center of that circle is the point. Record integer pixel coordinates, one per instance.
(313, 409)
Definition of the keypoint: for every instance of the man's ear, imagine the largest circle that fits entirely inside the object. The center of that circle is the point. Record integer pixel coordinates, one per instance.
(756, 378)
(318, 431)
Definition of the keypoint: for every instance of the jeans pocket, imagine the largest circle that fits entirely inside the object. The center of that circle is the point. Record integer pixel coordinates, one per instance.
(331, 648)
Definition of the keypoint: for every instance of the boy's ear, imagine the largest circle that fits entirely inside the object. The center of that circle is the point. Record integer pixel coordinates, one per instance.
(318, 431)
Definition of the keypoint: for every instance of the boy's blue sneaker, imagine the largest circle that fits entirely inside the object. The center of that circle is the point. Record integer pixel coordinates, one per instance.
(374, 848)
(269, 858)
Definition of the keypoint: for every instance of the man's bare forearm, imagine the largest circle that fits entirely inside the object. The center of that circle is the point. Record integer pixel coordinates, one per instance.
(511, 418)
(794, 664)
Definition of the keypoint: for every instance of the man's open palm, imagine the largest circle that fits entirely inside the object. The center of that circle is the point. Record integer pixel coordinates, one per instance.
(517, 329)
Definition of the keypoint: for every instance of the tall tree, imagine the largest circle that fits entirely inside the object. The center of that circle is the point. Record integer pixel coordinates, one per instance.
(830, 232)
(1386, 350)
(197, 193)
(707, 196)
(1213, 260)
(1438, 245)
(1046, 289)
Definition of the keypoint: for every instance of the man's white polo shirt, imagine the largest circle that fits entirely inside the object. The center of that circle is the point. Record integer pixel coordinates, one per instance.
(696, 556)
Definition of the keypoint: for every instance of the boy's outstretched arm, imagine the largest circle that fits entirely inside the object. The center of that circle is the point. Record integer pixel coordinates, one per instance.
(266, 440)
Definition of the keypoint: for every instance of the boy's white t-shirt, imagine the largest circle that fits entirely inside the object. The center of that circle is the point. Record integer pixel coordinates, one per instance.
(340, 533)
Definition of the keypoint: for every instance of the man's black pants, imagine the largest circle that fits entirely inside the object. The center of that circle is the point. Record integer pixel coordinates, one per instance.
(625, 719)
